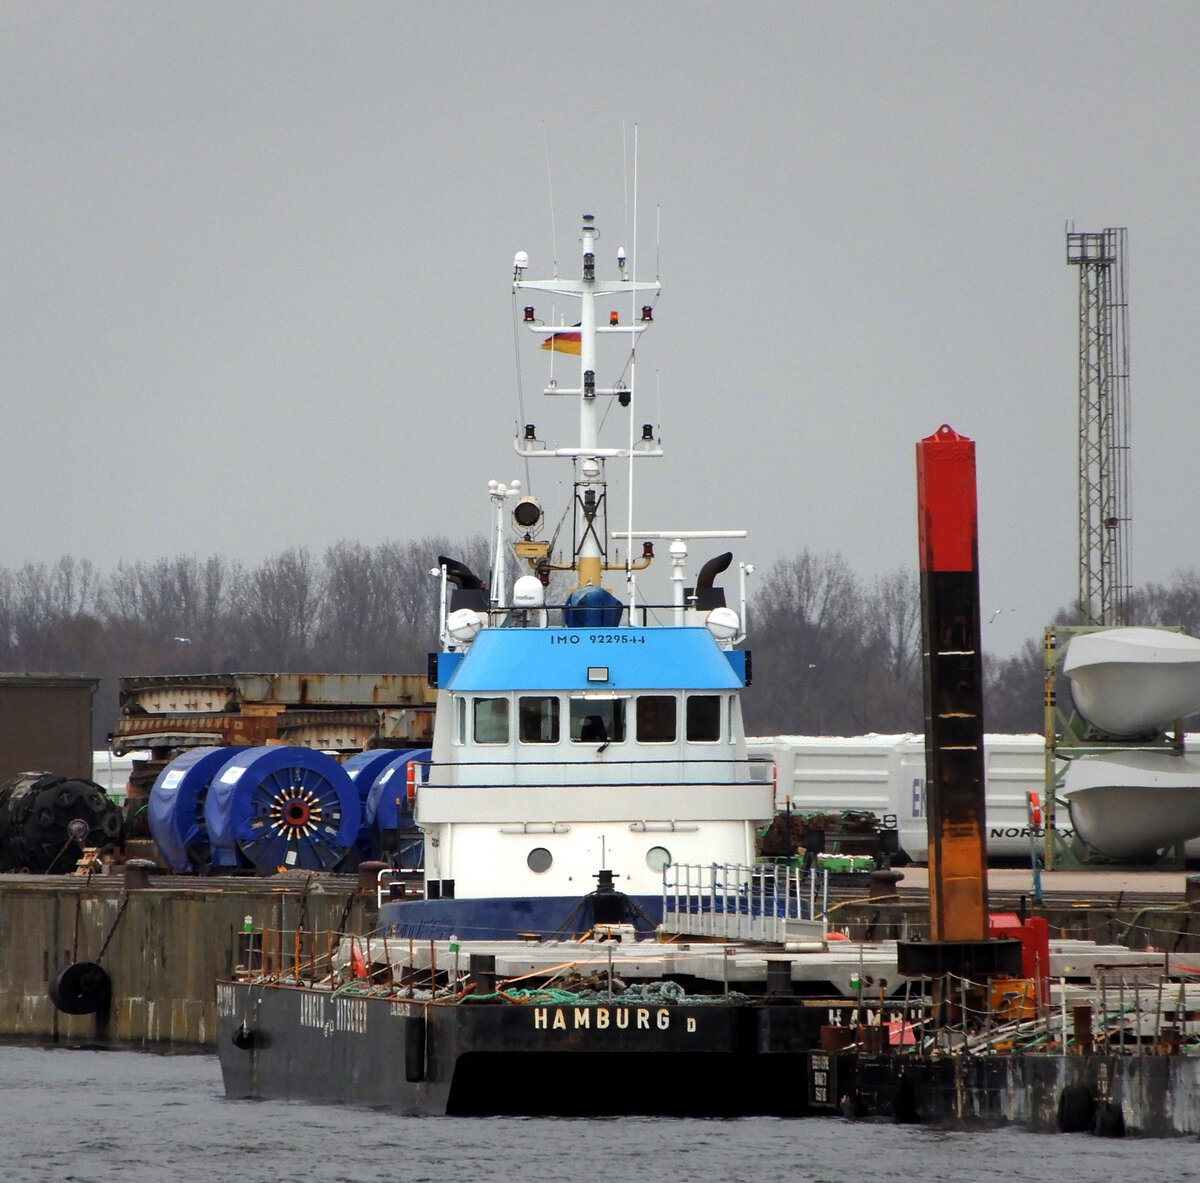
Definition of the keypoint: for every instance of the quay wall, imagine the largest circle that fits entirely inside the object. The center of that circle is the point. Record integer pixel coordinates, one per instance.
(1157, 1095)
(162, 946)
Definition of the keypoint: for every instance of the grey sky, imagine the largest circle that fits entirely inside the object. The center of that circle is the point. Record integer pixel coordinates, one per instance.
(257, 260)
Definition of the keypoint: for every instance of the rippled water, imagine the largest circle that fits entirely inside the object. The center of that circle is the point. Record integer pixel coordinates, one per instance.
(92, 1116)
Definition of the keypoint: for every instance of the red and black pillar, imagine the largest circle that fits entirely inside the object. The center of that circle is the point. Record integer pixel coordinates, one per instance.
(954, 758)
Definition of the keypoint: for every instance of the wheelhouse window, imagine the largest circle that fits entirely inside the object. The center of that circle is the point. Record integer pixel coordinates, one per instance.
(491, 720)
(597, 720)
(704, 718)
(537, 719)
(460, 720)
(657, 718)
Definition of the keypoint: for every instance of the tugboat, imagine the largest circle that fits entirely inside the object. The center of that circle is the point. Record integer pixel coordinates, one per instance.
(586, 747)
(583, 740)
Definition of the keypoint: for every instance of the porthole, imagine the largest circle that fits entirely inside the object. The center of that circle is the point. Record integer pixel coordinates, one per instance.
(539, 860)
(658, 859)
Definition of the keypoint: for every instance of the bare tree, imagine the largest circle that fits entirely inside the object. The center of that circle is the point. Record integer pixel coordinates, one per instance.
(809, 618)
(892, 688)
(172, 612)
(276, 608)
(380, 604)
(29, 616)
(413, 588)
(1174, 603)
(48, 620)
(1014, 691)
(355, 609)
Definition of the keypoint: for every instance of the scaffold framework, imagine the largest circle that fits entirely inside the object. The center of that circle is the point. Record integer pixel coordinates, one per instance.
(1104, 501)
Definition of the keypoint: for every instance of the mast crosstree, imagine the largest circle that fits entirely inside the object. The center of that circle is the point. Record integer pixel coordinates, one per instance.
(590, 546)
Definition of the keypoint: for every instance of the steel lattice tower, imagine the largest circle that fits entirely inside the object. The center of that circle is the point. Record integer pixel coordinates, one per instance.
(1104, 506)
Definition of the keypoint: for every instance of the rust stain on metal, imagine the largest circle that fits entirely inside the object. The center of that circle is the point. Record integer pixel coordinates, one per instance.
(340, 712)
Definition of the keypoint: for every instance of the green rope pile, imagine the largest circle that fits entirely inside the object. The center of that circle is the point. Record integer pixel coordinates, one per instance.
(661, 993)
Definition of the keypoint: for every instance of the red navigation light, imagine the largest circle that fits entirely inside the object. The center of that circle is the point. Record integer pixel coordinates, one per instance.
(529, 312)
(647, 550)
(647, 312)
(613, 318)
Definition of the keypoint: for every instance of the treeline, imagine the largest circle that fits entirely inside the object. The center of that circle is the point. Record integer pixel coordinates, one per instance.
(368, 608)
(833, 654)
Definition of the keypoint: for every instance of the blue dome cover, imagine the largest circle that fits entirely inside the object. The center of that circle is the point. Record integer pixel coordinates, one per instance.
(592, 607)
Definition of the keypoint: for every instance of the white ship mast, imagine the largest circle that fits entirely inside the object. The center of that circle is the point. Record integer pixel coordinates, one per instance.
(590, 557)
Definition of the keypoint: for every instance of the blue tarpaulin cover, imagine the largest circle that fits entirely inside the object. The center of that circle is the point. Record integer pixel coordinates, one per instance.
(283, 807)
(176, 809)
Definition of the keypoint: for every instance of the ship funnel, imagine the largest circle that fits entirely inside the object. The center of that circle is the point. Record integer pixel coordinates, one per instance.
(460, 574)
(704, 596)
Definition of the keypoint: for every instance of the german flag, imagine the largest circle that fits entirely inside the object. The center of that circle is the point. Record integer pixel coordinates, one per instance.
(567, 342)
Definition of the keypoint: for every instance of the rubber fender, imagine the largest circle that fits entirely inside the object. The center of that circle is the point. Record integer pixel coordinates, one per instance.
(414, 1048)
(83, 988)
(1108, 1121)
(243, 1037)
(904, 1102)
(1076, 1107)
(37, 812)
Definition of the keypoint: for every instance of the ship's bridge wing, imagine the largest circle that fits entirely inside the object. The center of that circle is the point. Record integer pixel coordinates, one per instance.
(665, 658)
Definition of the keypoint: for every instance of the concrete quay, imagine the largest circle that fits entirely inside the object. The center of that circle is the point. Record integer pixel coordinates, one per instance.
(162, 945)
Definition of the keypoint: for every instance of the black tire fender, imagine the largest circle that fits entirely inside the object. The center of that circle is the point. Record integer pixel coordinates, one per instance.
(1076, 1108)
(82, 988)
(1108, 1121)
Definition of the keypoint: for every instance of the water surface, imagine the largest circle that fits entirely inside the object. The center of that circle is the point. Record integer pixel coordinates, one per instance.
(90, 1116)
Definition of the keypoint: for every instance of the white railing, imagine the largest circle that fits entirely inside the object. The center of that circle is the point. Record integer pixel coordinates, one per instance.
(768, 903)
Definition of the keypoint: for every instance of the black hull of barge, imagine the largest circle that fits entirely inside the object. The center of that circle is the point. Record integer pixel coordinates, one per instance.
(714, 1060)
(720, 1060)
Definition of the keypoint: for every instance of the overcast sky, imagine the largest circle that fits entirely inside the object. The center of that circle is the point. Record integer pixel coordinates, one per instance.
(257, 262)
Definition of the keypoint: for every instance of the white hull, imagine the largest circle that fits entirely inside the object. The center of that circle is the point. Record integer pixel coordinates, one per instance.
(1132, 804)
(1134, 681)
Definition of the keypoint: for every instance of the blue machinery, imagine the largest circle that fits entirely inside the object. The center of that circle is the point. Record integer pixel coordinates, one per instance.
(281, 808)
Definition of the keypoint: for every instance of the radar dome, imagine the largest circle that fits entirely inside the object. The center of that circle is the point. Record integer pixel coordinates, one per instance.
(723, 623)
(528, 592)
